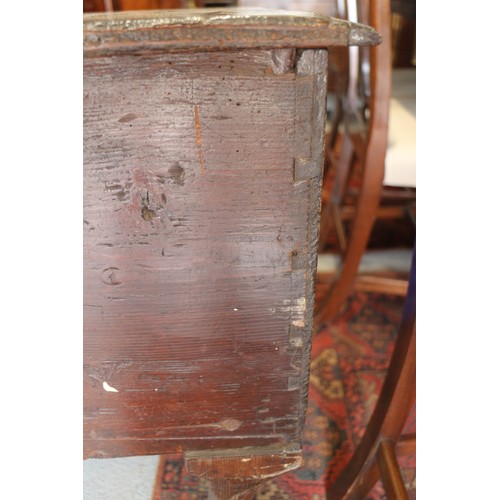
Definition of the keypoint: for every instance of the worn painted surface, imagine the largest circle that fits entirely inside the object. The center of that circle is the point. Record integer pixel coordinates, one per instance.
(202, 184)
(218, 29)
(201, 197)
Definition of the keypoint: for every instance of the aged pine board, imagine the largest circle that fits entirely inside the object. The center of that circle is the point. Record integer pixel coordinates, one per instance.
(217, 29)
(202, 175)
(202, 181)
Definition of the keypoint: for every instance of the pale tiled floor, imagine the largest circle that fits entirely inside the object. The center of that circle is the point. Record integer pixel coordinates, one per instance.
(129, 478)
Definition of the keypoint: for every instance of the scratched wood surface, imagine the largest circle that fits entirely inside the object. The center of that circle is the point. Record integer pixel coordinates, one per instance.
(217, 29)
(202, 180)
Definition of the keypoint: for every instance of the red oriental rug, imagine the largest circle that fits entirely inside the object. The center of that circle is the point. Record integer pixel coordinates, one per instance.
(349, 359)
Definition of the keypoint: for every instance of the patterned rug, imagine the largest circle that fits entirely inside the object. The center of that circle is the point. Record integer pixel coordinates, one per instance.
(349, 359)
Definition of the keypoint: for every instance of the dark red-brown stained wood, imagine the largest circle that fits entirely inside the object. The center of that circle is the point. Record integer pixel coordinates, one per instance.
(202, 177)
(202, 184)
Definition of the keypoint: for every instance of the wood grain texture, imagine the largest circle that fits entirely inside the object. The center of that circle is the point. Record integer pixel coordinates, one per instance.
(202, 185)
(237, 474)
(217, 29)
(390, 472)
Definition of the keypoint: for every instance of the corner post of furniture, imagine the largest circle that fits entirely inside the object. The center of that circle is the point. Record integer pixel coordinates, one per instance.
(203, 161)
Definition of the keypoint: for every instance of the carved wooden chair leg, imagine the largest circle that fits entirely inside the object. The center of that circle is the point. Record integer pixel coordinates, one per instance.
(374, 457)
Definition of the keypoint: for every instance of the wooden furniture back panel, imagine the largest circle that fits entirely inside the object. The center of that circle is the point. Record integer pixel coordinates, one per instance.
(202, 176)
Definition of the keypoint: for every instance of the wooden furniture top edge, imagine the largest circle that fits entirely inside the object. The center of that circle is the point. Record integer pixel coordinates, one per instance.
(218, 29)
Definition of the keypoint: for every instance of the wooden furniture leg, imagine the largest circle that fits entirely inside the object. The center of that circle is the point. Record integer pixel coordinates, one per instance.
(238, 475)
(389, 470)
(375, 455)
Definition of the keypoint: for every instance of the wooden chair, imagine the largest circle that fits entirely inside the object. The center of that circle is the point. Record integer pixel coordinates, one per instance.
(375, 456)
(404, 13)
(364, 143)
(203, 155)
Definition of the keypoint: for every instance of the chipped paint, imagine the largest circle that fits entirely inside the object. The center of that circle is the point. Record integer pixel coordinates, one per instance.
(108, 388)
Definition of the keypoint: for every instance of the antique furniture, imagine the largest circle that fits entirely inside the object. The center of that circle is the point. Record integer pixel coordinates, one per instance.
(375, 456)
(365, 151)
(337, 55)
(203, 157)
